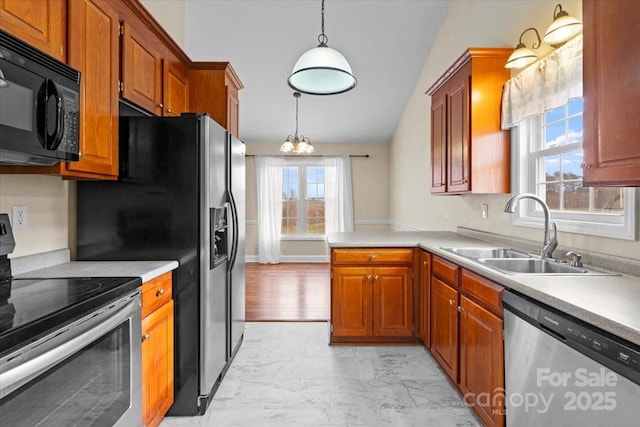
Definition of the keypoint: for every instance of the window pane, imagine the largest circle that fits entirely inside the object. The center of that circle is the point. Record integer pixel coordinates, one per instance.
(571, 169)
(289, 217)
(575, 106)
(290, 183)
(552, 168)
(315, 217)
(574, 133)
(575, 197)
(609, 200)
(315, 182)
(551, 195)
(554, 115)
(555, 135)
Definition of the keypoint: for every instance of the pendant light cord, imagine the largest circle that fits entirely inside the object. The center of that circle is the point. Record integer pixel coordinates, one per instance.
(322, 38)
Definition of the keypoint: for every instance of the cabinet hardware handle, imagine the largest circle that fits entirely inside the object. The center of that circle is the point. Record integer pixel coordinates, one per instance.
(585, 165)
(169, 110)
(146, 337)
(376, 277)
(460, 308)
(373, 257)
(465, 181)
(451, 302)
(80, 154)
(426, 263)
(161, 105)
(369, 277)
(160, 292)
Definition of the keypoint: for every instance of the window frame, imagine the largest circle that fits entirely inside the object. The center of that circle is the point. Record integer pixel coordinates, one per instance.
(302, 200)
(529, 214)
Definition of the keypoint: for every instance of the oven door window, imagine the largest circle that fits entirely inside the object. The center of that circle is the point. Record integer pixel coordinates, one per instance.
(90, 388)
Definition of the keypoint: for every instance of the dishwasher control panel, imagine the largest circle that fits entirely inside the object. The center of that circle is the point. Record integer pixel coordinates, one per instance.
(585, 336)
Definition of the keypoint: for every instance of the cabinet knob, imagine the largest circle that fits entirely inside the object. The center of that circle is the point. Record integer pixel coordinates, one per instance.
(169, 110)
(585, 165)
(376, 277)
(460, 308)
(426, 263)
(373, 257)
(160, 292)
(160, 105)
(146, 337)
(465, 181)
(369, 277)
(451, 302)
(80, 154)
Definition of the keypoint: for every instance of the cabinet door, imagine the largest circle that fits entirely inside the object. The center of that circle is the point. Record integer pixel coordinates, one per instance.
(611, 88)
(482, 361)
(94, 51)
(444, 326)
(41, 23)
(141, 70)
(458, 155)
(425, 297)
(157, 364)
(439, 142)
(351, 313)
(392, 302)
(176, 89)
(233, 112)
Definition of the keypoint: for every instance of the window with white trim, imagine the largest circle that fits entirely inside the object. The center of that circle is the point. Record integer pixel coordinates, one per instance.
(303, 208)
(550, 156)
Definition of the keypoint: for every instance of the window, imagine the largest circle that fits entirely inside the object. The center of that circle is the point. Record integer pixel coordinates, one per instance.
(550, 159)
(303, 207)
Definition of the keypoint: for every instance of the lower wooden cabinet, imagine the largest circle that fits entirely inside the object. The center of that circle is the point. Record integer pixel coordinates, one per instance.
(424, 298)
(444, 326)
(157, 349)
(372, 303)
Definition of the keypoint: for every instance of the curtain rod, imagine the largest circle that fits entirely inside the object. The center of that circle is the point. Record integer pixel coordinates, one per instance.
(308, 155)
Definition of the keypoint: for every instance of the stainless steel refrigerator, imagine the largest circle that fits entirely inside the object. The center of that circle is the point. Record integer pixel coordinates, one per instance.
(180, 195)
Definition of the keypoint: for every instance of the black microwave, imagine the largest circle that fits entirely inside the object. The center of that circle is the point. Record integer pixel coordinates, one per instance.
(39, 106)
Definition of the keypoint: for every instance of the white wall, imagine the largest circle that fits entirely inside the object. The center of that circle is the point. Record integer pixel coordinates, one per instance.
(47, 201)
(170, 15)
(478, 24)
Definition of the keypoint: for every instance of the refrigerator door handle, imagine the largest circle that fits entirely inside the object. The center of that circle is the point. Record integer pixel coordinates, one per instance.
(234, 244)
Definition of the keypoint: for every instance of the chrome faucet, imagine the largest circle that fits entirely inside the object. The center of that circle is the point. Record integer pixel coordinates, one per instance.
(550, 240)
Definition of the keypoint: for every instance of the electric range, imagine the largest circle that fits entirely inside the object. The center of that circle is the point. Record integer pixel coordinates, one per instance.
(31, 307)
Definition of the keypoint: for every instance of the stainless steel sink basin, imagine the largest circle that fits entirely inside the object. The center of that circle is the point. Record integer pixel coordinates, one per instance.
(488, 252)
(538, 266)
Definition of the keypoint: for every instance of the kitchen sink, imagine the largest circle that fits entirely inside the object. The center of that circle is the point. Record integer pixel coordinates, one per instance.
(539, 266)
(488, 252)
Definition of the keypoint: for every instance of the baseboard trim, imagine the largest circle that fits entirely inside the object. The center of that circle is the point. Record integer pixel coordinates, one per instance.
(294, 258)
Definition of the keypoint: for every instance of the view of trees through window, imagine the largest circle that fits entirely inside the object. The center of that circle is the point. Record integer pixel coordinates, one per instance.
(303, 200)
(558, 160)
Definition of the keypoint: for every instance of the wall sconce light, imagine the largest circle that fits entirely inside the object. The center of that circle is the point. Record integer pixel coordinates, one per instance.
(522, 55)
(563, 28)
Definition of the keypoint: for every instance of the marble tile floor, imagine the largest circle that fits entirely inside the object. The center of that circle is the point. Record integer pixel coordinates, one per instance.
(285, 374)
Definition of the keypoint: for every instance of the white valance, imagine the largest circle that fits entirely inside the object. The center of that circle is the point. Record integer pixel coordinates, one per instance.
(544, 85)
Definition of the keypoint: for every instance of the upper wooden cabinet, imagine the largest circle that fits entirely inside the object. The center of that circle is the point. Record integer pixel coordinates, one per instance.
(213, 89)
(469, 151)
(41, 23)
(141, 68)
(611, 93)
(175, 93)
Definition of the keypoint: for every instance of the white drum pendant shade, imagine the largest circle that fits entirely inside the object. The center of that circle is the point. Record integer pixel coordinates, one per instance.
(322, 71)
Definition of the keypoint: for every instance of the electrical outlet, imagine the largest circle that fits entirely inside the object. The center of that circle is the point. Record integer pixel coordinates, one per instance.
(485, 211)
(19, 217)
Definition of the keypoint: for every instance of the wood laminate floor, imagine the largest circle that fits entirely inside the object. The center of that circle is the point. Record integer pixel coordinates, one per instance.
(287, 292)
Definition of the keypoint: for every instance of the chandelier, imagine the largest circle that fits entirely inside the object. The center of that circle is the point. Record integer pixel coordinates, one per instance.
(297, 144)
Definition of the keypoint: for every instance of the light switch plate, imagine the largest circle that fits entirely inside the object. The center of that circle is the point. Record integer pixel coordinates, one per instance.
(485, 211)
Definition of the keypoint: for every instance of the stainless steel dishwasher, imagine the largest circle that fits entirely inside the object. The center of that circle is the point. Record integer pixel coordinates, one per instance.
(560, 371)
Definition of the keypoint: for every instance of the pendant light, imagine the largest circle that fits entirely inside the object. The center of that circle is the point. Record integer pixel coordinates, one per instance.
(322, 70)
(563, 28)
(294, 144)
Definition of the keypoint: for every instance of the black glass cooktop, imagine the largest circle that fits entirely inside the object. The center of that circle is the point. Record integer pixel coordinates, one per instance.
(31, 307)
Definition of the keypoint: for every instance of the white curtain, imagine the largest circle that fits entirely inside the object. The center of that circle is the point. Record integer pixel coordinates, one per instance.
(269, 189)
(544, 85)
(338, 196)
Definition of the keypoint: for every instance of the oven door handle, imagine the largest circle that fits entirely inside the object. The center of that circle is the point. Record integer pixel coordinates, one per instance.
(58, 346)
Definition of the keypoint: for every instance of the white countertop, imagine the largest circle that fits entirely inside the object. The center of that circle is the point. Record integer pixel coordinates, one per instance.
(611, 303)
(146, 270)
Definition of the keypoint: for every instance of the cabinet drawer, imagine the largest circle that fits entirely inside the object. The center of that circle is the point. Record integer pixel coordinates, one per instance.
(482, 290)
(372, 256)
(445, 270)
(155, 293)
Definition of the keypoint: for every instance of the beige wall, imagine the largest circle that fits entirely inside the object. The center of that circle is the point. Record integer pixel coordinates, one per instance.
(469, 23)
(47, 201)
(169, 14)
(370, 180)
